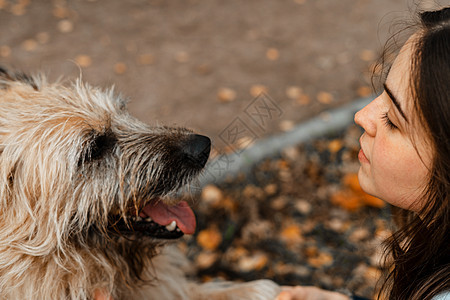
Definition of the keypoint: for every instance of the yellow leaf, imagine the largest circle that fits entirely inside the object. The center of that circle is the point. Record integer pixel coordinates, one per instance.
(209, 239)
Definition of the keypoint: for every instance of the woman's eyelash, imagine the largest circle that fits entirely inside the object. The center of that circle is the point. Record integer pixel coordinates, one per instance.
(388, 121)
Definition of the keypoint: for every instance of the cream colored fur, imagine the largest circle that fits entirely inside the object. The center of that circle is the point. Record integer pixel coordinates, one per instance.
(54, 206)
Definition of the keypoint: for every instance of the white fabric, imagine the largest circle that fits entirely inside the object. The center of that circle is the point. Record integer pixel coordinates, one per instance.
(442, 296)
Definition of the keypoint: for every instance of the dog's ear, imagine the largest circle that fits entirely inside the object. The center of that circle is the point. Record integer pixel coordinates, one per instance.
(6, 77)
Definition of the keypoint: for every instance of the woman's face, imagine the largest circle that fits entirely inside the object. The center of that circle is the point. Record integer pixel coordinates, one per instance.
(395, 156)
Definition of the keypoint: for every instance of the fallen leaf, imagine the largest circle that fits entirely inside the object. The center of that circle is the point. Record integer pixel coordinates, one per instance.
(226, 95)
(146, 59)
(257, 89)
(5, 51)
(209, 239)
(211, 194)
(279, 203)
(347, 200)
(18, 10)
(335, 145)
(321, 260)
(272, 54)
(294, 92)
(287, 125)
(29, 45)
(120, 68)
(373, 201)
(253, 263)
(60, 12)
(303, 206)
(43, 37)
(291, 234)
(364, 91)
(325, 97)
(83, 60)
(65, 26)
(206, 259)
(271, 189)
(359, 234)
(367, 55)
(304, 100)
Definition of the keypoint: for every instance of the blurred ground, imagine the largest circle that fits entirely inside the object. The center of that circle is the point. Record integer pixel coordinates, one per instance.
(299, 217)
(200, 63)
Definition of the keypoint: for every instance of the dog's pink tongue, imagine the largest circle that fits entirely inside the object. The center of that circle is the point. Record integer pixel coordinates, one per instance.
(164, 215)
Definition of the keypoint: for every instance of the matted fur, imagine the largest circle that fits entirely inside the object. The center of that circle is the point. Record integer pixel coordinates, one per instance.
(70, 157)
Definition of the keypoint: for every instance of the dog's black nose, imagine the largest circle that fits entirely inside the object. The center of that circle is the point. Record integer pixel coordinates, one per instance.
(197, 147)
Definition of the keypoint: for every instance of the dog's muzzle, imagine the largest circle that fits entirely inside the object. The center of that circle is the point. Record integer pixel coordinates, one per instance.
(156, 218)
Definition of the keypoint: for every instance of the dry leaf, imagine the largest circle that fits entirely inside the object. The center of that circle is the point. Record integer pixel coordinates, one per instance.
(271, 189)
(253, 263)
(60, 12)
(146, 59)
(17, 10)
(321, 260)
(335, 145)
(211, 194)
(65, 26)
(83, 61)
(29, 45)
(286, 125)
(358, 235)
(244, 142)
(367, 55)
(235, 253)
(292, 234)
(257, 89)
(272, 54)
(209, 239)
(226, 95)
(294, 92)
(304, 100)
(364, 91)
(347, 200)
(351, 180)
(120, 68)
(279, 203)
(3, 4)
(5, 51)
(206, 259)
(43, 37)
(325, 97)
(373, 201)
(303, 206)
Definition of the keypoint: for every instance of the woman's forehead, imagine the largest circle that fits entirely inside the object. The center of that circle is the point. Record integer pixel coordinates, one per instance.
(399, 77)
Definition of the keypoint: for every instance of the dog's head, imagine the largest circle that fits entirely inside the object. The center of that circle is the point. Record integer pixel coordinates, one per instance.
(76, 170)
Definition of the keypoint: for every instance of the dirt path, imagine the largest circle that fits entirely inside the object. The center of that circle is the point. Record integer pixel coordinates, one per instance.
(201, 63)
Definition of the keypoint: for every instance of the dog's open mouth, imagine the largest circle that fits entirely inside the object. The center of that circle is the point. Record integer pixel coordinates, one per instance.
(159, 220)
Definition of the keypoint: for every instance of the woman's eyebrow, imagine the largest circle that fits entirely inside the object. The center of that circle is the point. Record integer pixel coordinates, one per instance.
(395, 101)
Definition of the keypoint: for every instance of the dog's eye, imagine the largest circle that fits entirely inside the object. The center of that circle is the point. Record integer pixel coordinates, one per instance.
(98, 147)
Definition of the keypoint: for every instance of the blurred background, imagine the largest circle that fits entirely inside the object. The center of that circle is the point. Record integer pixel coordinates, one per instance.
(198, 63)
(298, 217)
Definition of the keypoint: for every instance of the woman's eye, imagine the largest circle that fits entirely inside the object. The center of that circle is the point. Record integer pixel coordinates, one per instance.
(388, 121)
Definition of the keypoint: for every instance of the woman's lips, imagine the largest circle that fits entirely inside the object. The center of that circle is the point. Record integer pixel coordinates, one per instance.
(362, 157)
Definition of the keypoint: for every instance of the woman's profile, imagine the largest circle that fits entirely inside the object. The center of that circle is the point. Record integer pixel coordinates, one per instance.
(405, 160)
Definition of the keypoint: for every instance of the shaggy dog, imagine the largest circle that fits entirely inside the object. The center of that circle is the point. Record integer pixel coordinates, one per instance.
(86, 198)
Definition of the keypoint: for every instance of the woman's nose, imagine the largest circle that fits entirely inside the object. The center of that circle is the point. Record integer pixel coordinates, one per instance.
(366, 118)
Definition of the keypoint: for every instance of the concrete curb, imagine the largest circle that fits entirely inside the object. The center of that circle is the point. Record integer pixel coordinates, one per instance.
(230, 165)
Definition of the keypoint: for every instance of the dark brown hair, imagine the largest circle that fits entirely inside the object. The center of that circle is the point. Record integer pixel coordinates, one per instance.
(418, 260)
